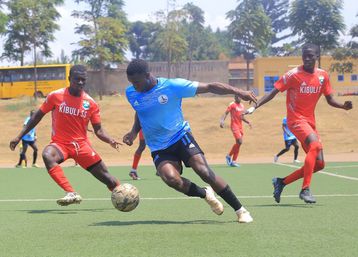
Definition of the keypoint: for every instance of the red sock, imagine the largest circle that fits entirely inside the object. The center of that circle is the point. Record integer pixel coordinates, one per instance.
(293, 176)
(236, 153)
(299, 173)
(136, 159)
(233, 150)
(58, 175)
(310, 163)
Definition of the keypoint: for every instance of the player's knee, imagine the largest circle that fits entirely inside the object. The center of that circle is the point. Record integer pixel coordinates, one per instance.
(319, 165)
(23, 156)
(315, 146)
(172, 181)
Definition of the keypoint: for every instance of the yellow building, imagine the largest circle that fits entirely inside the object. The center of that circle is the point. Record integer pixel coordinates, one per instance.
(267, 71)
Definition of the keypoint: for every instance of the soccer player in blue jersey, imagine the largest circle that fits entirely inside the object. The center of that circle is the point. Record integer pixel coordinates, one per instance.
(28, 139)
(289, 139)
(157, 102)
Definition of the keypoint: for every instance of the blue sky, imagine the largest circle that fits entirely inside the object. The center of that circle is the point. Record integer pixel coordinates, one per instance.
(215, 13)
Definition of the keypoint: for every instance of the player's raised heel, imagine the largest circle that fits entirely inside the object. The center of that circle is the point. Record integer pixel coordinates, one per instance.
(228, 160)
(243, 216)
(216, 206)
(70, 198)
(278, 186)
(306, 196)
(134, 175)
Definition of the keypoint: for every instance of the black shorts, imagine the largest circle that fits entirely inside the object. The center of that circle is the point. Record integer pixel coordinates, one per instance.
(181, 151)
(25, 142)
(290, 142)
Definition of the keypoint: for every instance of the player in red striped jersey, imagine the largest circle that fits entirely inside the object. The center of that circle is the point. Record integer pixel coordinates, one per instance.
(304, 85)
(72, 109)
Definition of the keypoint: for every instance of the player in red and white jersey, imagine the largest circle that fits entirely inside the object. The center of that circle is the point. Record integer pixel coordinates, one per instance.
(236, 110)
(72, 109)
(304, 86)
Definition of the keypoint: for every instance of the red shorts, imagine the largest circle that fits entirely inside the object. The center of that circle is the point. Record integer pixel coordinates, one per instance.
(237, 132)
(302, 129)
(82, 152)
(141, 137)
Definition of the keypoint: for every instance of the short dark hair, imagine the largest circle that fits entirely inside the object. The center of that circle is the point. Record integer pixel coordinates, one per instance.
(307, 46)
(77, 69)
(137, 66)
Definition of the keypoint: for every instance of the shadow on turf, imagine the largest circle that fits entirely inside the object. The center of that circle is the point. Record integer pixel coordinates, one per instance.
(297, 205)
(159, 222)
(63, 211)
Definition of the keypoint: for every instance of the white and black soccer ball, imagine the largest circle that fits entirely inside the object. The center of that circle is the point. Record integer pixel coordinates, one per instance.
(125, 197)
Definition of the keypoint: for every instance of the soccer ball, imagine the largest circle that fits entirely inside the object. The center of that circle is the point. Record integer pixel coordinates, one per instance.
(125, 197)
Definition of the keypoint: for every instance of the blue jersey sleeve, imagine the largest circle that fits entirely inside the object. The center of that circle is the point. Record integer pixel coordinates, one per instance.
(184, 88)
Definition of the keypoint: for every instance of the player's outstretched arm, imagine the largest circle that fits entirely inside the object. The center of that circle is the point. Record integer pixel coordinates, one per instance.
(225, 89)
(347, 105)
(246, 121)
(222, 120)
(131, 136)
(103, 136)
(266, 98)
(34, 120)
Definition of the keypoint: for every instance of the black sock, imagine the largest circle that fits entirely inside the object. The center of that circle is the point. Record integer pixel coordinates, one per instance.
(194, 190)
(230, 198)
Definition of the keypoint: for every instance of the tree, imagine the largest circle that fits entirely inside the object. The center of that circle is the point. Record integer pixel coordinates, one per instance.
(344, 55)
(141, 35)
(30, 26)
(277, 11)
(194, 23)
(250, 29)
(170, 42)
(104, 32)
(3, 18)
(318, 22)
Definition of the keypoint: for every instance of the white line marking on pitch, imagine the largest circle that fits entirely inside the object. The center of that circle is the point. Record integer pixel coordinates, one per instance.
(321, 172)
(177, 198)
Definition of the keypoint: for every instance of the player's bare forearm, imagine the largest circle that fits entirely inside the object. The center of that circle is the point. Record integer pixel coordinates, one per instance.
(225, 89)
(347, 105)
(136, 125)
(266, 98)
(34, 120)
(102, 134)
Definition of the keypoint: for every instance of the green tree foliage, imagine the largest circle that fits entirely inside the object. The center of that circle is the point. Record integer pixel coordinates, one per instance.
(170, 43)
(345, 54)
(318, 22)
(277, 11)
(3, 18)
(250, 29)
(30, 25)
(141, 35)
(104, 35)
(194, 27)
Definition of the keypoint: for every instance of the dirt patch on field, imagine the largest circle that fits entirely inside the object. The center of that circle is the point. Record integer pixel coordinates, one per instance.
(338, 130)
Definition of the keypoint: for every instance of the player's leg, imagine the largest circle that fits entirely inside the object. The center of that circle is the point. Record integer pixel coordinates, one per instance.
(192, 156)
(52, 156)
(90, 160)
(35, 152)
(169, 167)
(201, 167)
(22, 155)
(136, 158)
(100, 171)
(228, 157)
(295, 144)
(285, 150)
(237, 151)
